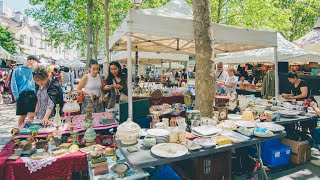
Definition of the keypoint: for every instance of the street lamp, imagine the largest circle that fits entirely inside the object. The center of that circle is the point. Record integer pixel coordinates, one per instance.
(137, 3)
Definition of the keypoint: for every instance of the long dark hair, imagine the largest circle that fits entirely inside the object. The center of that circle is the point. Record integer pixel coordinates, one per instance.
(110, 75)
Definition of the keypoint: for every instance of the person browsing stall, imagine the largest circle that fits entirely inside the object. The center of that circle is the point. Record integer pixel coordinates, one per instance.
(23, 89)
(49, 93)
(230, 84)
(116, 84)
(299, 88)
(90, 86)
(221, 76)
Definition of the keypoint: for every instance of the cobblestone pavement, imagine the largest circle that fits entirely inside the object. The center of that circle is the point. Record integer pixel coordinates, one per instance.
(8, 120)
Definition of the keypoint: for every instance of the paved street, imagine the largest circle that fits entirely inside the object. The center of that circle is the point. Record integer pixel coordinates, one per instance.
(8, 120)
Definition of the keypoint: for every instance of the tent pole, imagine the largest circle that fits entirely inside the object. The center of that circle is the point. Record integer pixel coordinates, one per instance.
(276, 69)
(129, 65)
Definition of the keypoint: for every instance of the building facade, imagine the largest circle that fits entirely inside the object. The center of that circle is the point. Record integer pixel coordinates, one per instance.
(32, 38)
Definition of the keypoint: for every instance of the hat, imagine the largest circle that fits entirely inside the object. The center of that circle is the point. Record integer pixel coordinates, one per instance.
(35, 58)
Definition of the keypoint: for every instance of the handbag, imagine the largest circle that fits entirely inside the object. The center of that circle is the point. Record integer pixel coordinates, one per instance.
(80, 98)
(123, 97)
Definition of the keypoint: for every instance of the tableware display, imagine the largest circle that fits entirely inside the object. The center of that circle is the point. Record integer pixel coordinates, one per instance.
(234, 117)
(128, 132)
(174, 135)
(207, 121)
(289, 113)
(227, 125)
(245, 131)
(192, 115)
(169, 150)
(192, 145)
(205, 142)
(262, 132)
(271, 126)
(247, 124)
(120, 169)
(234, 136)
(158, 132)
(148, 142)
(206, 130)
(39, 156)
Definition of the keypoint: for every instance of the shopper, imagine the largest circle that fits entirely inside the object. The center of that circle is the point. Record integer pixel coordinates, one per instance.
(23, 89)
(299, 88)
(221, 76)
(56, 76)
(90, 86)
(230, 84)
(49, 94)
(116, 84)
(2, 84)
(65, 76)
(8, 81)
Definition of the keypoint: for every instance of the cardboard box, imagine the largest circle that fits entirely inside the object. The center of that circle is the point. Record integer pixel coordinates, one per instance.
(300, 151)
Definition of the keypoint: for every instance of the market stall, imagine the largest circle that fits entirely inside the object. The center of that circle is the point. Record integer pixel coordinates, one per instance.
(286, 52)
(141, 31)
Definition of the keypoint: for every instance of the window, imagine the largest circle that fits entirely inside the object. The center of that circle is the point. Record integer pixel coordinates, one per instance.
(22, 39)
(31, 42)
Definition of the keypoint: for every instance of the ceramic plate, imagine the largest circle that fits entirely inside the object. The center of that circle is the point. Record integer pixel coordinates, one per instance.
(289, 113)
(234, 117)
(169, 150)
(39, 156)
(158, 132)
(206, 130)
(206, 142)
(247, 124)
(192, 145)
(268, 134)
(271, 126)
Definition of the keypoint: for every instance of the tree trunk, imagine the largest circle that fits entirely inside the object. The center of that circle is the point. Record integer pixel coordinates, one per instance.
(89, 30)
(96, 42)
(203, 48)
(107, 30)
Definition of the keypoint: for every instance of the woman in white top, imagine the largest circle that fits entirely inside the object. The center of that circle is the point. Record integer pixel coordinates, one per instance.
(230, 84)
(90, 86)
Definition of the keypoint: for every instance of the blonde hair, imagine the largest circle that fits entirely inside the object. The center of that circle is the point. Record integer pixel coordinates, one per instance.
(231, 69)
(40, 73)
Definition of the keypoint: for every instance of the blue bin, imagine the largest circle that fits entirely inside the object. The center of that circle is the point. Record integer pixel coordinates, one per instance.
(270, 143)
(165, 172)
(275, 156)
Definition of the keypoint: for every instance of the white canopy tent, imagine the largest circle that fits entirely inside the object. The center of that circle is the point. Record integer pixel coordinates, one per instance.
(149, 58)
(170, 29)
(74, 63)
(311, 41)
(287, 52)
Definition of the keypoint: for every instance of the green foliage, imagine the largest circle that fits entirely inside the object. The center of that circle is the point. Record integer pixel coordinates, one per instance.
(304, 14)
(7, 41)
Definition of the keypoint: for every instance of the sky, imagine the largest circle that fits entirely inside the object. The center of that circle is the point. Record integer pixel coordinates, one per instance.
(18, 5)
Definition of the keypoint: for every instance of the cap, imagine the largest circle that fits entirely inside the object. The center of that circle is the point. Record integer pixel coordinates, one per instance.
(35, 58)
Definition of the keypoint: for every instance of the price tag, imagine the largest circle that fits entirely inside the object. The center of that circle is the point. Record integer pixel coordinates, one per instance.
(287, 151)
(277, 154)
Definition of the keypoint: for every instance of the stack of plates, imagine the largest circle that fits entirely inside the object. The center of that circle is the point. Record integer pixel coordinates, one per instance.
(289, 113)
(234, 117)
(206, 130)
(161, 135)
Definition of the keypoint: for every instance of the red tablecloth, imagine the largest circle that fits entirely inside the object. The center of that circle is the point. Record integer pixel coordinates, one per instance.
(62, 167)
(169, 100)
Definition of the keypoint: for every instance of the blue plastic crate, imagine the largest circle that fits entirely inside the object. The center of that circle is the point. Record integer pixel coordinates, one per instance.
(276, 155)
(270, 143)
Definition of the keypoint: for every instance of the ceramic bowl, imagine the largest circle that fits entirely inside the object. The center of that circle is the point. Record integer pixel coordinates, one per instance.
(128, 139)
(149, 142)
